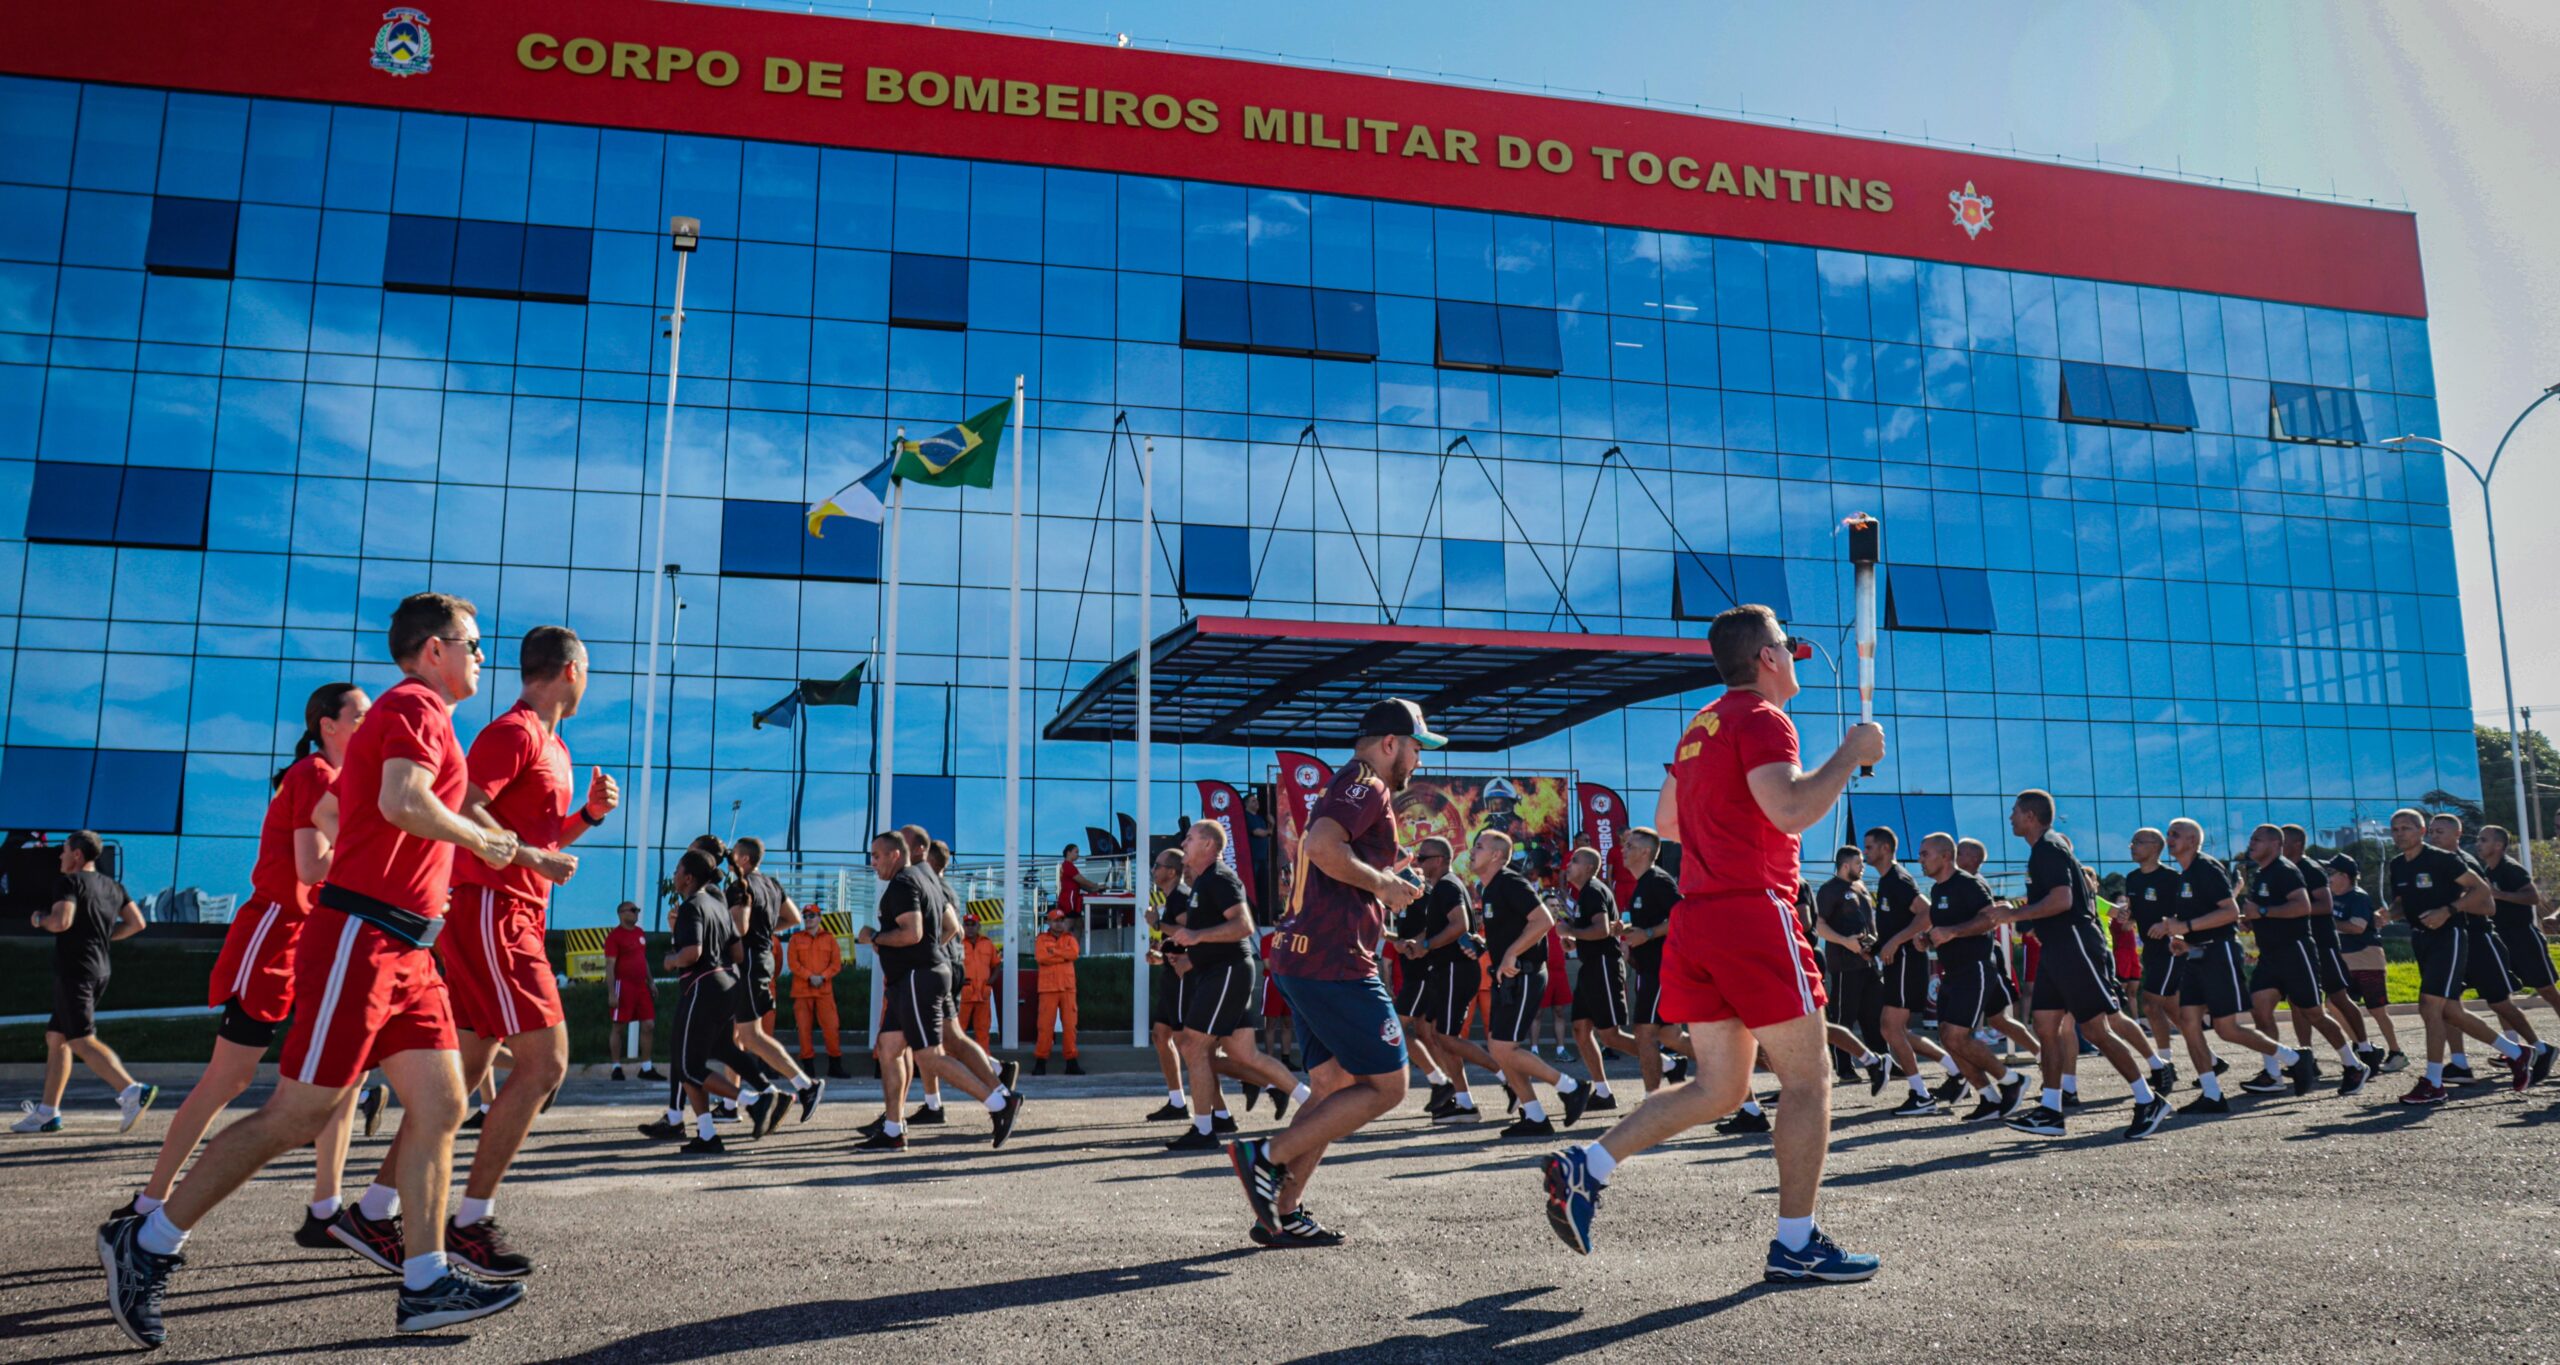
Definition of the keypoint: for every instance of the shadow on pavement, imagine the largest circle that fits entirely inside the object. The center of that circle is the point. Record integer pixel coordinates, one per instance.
(1498, 1322)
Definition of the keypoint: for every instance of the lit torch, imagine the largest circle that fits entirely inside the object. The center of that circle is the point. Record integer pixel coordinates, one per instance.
(1866, 538)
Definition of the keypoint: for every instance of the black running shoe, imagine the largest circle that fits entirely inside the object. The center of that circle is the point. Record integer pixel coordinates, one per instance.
(2070, 1100)
(1742, 1121)
(836, 1071)
(1458, 1113)
(2354, 1080)
(2458, 1073)
(369, 1107)
(2013, 1094)
(1600, 1103)
(1877, 1072)
(652, 1073)
(1193, 1140)
(1261, 1178)
(132, 1209)
(1440, 1106)
(2542, 1059)
(1009, 1075)
(1949, 1090)
(1167, 1113)
(2221, 1065)
(1279, 1103)
(378, 1240)
(1006, 1117)
(1039, 1066)
(2519, 1070)
(2038, 1122)
(1252, 1097)
(2146, 1118)
(2304, 1073)
(1511, 1099)
(882, 1142)
(617, 1073)
(2264, 1084)
(2203, 1105)
(478, 1116)
(1300, 1229)
(926, 1115)
(1222, 1125)
(457, 1296)
(1529, 1128)
(766, 1111)
(724, 1111)
(483, 1250)
(1990, 1108)
(2163, 1079)
(663, 1130)
(1918, 1106)
(1074, 1067)
(1575, 1103)
(1678, 1070)
(313, 1235)
(135, 1280)
(1441, 1094)
(809, 1097)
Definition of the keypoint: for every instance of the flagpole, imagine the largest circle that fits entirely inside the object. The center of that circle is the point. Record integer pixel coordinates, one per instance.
(1141, 860)
(885, 760)
(1009, 984)
(686, 234)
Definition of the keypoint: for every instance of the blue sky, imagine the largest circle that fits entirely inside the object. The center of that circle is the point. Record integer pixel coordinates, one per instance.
(2433, 107)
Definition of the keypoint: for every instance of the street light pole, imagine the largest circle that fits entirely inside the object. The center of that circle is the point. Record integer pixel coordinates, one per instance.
(683, 235)
(2497, 594)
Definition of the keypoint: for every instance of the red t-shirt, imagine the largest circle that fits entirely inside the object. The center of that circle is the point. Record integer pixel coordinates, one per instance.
(275, 877)
(375, 857)
(530, 783)
(627, 949)
(1070, 891)
(1332, 932)
(1728, 847)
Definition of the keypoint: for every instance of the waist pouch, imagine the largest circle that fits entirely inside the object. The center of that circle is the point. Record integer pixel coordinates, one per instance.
(408, 926)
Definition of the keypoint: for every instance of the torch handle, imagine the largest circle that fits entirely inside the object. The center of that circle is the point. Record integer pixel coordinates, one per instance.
(1866, 586)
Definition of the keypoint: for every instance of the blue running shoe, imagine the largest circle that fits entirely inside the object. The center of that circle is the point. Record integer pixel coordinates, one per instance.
(1573, 1197)
(458, 1296)
(135, 1280)
(1821, 1260)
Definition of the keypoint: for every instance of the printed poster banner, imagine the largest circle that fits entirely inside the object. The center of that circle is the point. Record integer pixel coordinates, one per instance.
(1219, 802)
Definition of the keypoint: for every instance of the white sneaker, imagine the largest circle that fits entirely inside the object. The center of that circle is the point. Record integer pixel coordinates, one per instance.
(29, 1121)
(133, 1101)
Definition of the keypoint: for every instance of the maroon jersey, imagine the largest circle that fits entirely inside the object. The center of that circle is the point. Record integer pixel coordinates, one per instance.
(1332, 931)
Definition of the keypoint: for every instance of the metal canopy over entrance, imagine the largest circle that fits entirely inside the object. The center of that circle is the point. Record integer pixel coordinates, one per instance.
(1241, 681)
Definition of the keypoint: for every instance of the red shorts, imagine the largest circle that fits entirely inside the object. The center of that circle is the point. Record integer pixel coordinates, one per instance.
(1739, 957)
(365, 997)
(256, 966)
(634, 1002)
(502, 982)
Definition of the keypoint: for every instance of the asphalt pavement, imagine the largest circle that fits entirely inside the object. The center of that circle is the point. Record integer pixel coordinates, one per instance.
(2312, 1229)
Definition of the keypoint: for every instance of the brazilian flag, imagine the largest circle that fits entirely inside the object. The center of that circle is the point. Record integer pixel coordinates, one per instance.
(964, 456)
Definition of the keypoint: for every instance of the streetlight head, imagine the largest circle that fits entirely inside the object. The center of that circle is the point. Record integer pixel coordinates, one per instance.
(685, 232)
(2393, 441)
(2551, 388)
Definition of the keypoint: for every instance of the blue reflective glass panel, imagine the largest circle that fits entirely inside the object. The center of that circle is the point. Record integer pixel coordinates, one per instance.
(1215, 562)
(74, 503)
(929, 291)
(1346, 325)
(192, 236)
(163, 507)
(1470, 336)
(1216, 314)
(1283, 318)
(418, 253)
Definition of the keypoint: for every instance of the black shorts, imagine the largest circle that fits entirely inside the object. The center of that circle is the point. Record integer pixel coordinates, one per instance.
(2331, 965)
(1857, 1003)
(1644, 995)
(1408, 985)
(1600, 992)
(1163, 985)
(1969, 993)
(75, 1006)
(2486, 972)
(2442, 956)
(2210, 980)
(1514, 1016)
(754, 999)
(2528, 957)
(1906, 979)
(1445, 990)
(705, 1014)
(248, 1030)
(2286, 969)
(1214, 1000)
(2071, 972)
(2161, 970)
(915, 1006)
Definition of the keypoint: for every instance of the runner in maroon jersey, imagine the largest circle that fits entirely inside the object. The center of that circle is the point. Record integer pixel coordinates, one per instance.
(376, 999)
(252, 982)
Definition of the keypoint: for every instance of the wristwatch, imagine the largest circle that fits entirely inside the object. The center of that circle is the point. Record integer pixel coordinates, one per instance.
(590, 817)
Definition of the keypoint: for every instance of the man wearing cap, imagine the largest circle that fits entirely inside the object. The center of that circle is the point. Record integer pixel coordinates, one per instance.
(1324, 952)
(1735, 969)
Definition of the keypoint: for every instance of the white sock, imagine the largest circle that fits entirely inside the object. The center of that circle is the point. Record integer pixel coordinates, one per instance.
(1600, 1088)
(2212, 1084)
(320, 1208)
(1174, 1098)
(2053, 1099)
(2158, 1060)
(2141, 1091)
(2507, 1049)
(1948, 1065)
(47, 1111)
(933, 1102)
(996, 1099)
(1201, 1126)
(1566, 1085)
(1221, 1112)
(161, 1237)
(1751, 1107)
(1795, 1233)
(702, 1128)
(2284, 1057)
(418, 1272)
(2507, 1033)
(2001, 1076)
(1464, 1100)
(467, 1210)
(2435, 1073)
(748, 1094)
(1601, 1164)
(1870, 1059)
(893, 1128)
(1919, 1088)
(2071, 1085)
(1534, 1112)
(2458, 1058)
(1438, 1078)
(380, 1201)
(2347, 1057)
(1298, 1094)
(674, 1116)
(143, 1203)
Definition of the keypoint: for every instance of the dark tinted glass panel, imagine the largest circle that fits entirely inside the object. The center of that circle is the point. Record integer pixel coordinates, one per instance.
(1926, 815)
(418, 253)
(1701, 587)
(2129, 391)
(762, 539)
(2084, 393)
(2173, 404)
(1764, 581)
(556, 261)
(44, 788)
(929, 291)
(1968, 599)
(1215, 314)
(1346, 325)
(163, 507)
(1470, 336)
(1283, 318)
(1912, 600)
(135, 791)
(74, 502)
(1530, 344)
(192, 236)
(488, 258)
(1215, 563)
(849, 551)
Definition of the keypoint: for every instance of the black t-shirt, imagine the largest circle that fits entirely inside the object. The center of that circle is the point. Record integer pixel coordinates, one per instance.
(1177, 905)
(2151, 897)
(2270, 887)
(955, 949)
(2509, 875)
(2428, 881)
(702, 921)
(2203, 886)
(1897, 901)
(1218, 891)
(1649, 907)
(1958, 899)
(97, 901)
(1509, 901)
(914, 891)
(762, 896)
(2051, 864)
(1430, 916)
(1843, 907)
(1593, 905)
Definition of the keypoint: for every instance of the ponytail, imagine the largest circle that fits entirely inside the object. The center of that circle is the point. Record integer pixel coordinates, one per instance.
(324, 703)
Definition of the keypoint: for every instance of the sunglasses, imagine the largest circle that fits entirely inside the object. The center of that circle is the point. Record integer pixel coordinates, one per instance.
(1797, 647)
(470, 646)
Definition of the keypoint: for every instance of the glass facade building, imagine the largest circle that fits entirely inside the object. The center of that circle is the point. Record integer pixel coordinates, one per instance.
(269, 364)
